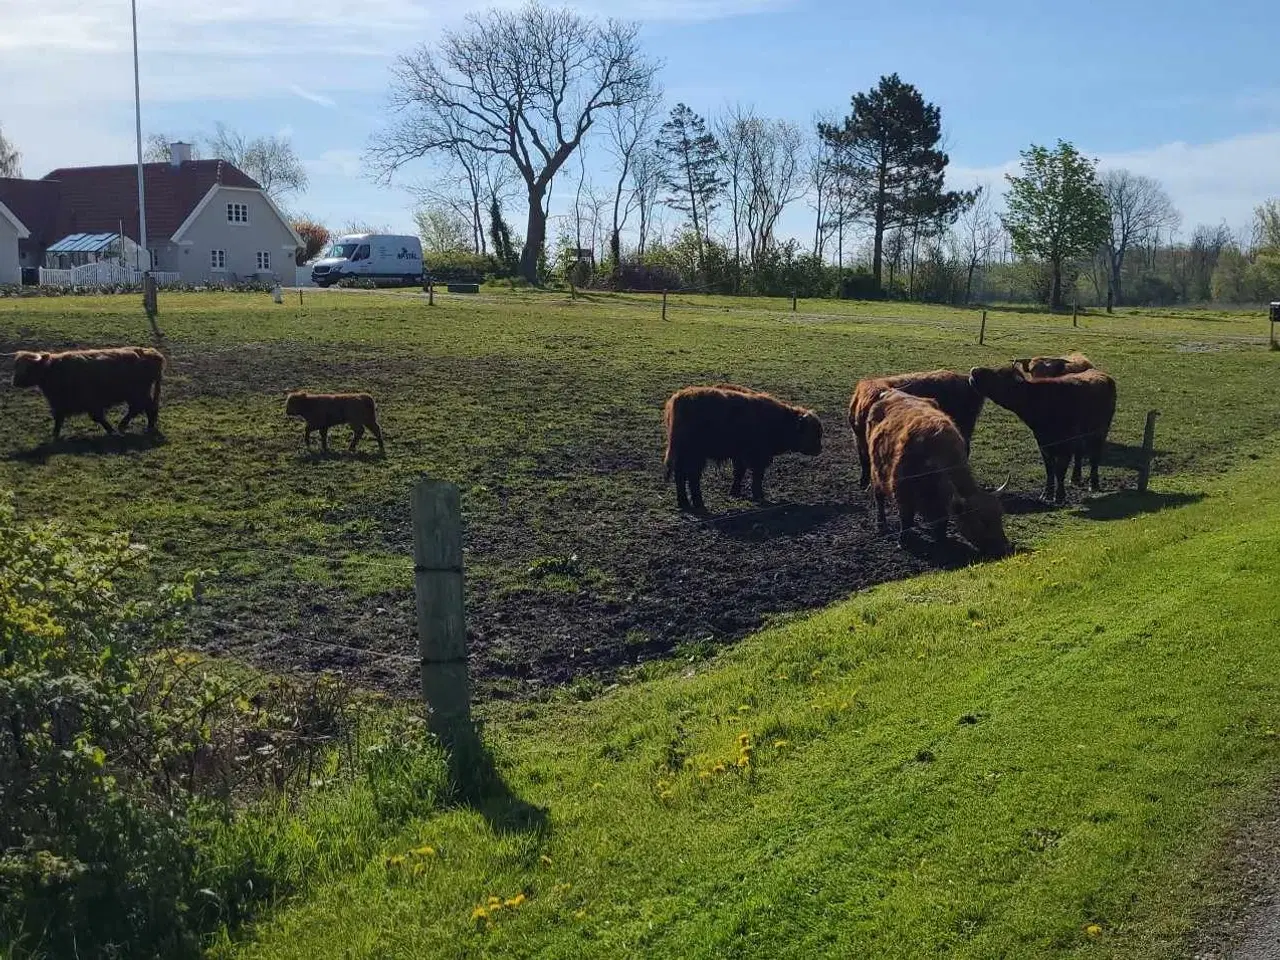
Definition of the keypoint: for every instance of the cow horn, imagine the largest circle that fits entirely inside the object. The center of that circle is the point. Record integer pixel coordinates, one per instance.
(1000, 489)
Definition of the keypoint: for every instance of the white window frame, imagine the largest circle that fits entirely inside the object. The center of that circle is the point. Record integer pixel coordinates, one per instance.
(264, 261)
(238, 214)
(218, 261)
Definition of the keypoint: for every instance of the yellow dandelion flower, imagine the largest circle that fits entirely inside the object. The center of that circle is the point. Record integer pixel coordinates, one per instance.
(744, 737)
(516, 901)
(744, 762)
(545, 859)
(424, 851)
(479, 913)
(781, 744)
(1093, 930)
(665, 795)
(662, 784)
(396, 860)
(495, 901)
(719, 768)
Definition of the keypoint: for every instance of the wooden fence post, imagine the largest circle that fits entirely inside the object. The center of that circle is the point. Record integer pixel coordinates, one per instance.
(1075, 312)
(442, 627)
(1148, 446)
(299, 296)
(793, 301)
(431, 293)
(150, 303)
(664, 304)
(982, 330)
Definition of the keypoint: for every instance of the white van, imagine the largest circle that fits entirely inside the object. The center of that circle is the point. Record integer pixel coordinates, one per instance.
(383, 258)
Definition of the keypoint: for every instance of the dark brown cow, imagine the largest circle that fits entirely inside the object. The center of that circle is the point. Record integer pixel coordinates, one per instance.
(94, 381)
(1054, 366)
(747, 427)
(324, 410)
(1069, 415)
(956, 398)
(918, 458)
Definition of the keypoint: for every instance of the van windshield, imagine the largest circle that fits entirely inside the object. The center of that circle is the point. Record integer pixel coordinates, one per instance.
(342, 251)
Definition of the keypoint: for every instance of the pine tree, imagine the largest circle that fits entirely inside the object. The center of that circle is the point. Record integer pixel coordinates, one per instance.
(690, 169)
(890, 165)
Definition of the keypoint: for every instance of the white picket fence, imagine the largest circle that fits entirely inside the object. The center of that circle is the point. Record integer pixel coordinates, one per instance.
(106, 273)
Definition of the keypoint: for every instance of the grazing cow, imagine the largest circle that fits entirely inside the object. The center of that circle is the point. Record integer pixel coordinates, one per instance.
(745, 426)
(324, 410)
(919, 459)
(1070, 416)
(955, 397)
(1054, 366)
(94, 381)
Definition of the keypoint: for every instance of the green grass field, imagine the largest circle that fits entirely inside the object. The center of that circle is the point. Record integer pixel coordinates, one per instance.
(1039, 757)
(546, 411)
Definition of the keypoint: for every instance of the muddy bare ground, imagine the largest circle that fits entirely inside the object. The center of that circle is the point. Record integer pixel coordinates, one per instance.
(579, 564)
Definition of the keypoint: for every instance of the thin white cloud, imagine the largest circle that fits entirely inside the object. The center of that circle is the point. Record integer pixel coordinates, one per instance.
(314, 97)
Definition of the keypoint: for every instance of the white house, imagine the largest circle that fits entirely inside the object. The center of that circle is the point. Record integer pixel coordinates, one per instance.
(207, 220)
(12, 231)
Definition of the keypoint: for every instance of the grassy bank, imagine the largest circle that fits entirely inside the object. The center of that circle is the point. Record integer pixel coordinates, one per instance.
(1026, 759)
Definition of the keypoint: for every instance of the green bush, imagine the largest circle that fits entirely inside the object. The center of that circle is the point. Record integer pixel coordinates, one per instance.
(149, 797)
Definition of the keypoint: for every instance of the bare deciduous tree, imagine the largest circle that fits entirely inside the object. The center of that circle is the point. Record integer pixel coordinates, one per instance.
(628, 127)
(762, 165)
(646, 187)
(10, 158)
(526, 84)
(269, 160)
(1140, 210)
(442, 229)
(821, 174)
(979, 234)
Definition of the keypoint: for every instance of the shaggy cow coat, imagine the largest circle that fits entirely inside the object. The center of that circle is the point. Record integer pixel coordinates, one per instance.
(955, 397)
(744, 426)
(919, 460)
(321, 411)
(1055, 366)
(94, 381)
(1070, 416)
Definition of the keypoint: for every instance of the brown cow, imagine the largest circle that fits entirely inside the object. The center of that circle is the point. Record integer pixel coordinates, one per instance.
(94, 381)
(918, 458)
(1054, 366)
(1070, 416)
(747, 427)
(324, 410)
(956, 398)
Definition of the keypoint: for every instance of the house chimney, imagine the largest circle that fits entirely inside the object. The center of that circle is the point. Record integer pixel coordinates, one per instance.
(179, 153)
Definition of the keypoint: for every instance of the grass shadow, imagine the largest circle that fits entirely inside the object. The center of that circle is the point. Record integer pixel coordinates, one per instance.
(777, 520)
(1021, 504)
(1126, 456)
(1130, 503)
(949, 553)
(482, 787)
(101, 445)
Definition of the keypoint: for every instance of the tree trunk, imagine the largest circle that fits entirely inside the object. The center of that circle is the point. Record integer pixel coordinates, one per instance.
(877, 258)
(1055, 289)
(535, 236)
(968, 283)
(1117, 268)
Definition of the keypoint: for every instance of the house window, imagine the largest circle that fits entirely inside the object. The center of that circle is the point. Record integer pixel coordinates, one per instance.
(218, 259)
(237, 213)
(264, 260)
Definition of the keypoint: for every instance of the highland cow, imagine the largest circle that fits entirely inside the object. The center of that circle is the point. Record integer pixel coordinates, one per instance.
(955, 397)
(746, 427)
(1070, 416)
(324, 410)
(919, 460)
(94, 381)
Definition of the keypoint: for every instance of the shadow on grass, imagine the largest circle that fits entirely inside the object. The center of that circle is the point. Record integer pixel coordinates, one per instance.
(1130, 503)
(777, 520)
(949, 553)
(91, 446)
(1126, 456)
(1020, 504)
(481, 786)
(362, 455)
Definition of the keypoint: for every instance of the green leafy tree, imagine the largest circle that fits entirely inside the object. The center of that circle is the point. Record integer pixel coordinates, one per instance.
(690, 170)
(442, 230)
(1057, 212)
(890, 166)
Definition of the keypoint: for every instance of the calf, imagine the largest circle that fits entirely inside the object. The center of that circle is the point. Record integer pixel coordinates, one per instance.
(745, 426)
(94, 381)
(955, 397)
(919, 459)
(1070, 416)
(324, 410)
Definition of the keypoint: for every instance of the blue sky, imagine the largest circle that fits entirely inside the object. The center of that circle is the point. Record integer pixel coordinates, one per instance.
(1186, 93)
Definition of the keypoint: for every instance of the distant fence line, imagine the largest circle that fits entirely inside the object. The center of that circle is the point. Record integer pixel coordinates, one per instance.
(103, 274)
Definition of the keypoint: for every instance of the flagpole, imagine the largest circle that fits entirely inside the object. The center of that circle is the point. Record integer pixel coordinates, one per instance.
(137, 114)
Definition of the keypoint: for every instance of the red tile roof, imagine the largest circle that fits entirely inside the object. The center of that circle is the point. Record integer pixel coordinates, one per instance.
(99, 199)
